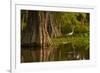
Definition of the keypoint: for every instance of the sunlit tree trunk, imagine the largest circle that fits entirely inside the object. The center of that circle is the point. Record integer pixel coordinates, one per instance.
(44, 35)
(55, 28)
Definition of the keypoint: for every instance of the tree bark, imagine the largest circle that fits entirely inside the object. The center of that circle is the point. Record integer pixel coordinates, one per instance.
(56, 32)
(30, 33)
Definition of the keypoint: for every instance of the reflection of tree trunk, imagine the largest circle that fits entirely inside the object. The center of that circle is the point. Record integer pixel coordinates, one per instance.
(48, 53)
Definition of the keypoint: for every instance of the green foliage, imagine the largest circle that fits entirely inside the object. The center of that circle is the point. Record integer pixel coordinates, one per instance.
(66, 28)
(79, 42)
(81, 29)
(67, 20)
(75, 19)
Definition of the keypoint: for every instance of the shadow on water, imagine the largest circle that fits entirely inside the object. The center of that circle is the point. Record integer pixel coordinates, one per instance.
(62, 52)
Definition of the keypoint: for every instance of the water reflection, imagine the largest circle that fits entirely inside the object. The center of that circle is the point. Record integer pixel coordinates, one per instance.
(54, 53)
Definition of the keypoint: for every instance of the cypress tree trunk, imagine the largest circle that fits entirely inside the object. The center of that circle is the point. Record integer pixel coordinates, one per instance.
(44, 35)
(31, 32)
(56, 30)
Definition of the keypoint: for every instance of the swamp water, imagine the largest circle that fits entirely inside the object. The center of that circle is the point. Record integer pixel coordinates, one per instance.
(62, 52)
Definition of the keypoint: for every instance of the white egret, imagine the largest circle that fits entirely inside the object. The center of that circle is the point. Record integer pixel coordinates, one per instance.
(71, 33)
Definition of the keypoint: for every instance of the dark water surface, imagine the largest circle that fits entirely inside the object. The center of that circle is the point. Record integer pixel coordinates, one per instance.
(62, 52)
